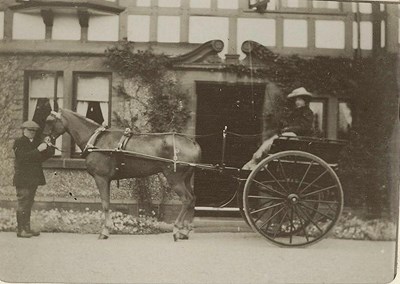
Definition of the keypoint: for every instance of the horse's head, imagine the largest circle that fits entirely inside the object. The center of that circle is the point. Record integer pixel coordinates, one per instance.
(54, 126)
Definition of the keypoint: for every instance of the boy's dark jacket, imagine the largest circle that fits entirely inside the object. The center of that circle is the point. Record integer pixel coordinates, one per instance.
(28, 162)
(300, 121)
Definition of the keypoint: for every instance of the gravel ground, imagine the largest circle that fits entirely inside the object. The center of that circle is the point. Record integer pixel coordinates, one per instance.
(205, 258)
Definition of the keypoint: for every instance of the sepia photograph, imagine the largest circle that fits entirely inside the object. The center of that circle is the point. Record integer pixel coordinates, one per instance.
(199, 141)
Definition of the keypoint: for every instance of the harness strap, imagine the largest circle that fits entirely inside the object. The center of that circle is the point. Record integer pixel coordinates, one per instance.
(175, 151)
(124, 139)
(92, 140)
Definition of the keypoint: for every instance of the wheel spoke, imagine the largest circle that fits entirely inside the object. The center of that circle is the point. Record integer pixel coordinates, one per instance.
(270, 218)
(334, 211)
(318, 191)
(304, 176)
(302, 224)
(320, 201)
(280, 225)
(316, 211)
(264, 197)
(283, 174)
(266, 208)
(321, 175)
(291, 226)
(271, 189)
(277, 181)
(310, 219)
(265, 212)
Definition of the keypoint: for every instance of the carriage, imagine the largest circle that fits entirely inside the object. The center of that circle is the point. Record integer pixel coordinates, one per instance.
(293, 197)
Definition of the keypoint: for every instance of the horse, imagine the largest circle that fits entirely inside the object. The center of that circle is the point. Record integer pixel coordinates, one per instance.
(106, 166)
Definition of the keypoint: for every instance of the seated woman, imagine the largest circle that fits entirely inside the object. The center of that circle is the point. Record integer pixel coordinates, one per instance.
(300, 123)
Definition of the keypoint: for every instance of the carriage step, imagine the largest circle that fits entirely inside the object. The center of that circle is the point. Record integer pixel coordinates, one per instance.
(225, 224)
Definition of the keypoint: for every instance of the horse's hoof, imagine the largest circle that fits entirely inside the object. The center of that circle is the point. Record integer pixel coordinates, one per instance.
(175, 237)
(183, 237)
(103, 237)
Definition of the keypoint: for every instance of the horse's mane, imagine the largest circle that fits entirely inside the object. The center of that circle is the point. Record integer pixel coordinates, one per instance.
(88, 121)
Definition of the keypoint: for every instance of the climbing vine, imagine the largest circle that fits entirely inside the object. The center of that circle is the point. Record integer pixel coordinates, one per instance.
(149, 82)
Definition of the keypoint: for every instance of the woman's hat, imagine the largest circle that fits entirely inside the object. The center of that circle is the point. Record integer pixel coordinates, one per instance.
(30, 125)
(299, 92)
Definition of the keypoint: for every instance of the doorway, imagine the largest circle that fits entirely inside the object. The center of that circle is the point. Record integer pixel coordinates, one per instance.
(239, 107)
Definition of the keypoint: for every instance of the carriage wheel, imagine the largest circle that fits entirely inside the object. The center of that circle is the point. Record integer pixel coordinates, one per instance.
(293, 198)
(239, 199)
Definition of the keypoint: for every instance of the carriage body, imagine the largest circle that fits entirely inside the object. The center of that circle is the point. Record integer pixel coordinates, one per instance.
(293, 197)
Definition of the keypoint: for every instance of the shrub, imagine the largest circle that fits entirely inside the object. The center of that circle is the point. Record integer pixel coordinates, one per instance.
(88, 222)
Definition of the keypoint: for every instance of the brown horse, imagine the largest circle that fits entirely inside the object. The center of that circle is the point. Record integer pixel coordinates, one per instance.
(104, 167)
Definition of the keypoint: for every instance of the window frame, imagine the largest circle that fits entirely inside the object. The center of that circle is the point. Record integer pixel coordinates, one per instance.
(324, 102)
(342, 100)
(88, 74)
(27, 74)
(26, 95)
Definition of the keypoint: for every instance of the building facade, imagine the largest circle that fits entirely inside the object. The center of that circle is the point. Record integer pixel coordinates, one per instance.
(57, 49)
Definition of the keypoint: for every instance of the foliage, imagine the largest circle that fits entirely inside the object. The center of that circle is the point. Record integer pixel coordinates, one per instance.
(87, 222)
(144, 64)
(8, 90)
(150, 85)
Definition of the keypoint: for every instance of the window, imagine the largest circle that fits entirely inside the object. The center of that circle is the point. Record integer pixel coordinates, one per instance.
(143, 3)
(168, 29)
(295, 33)
(41, 88)
(326, 4)
(231, 4)
(203, 29)
(318, 108)
(169, 3)
(103, 28)
(1, 25)
(66, 27)
(260, 30)
(92, 96)
(200, 3)
(139, 28)
(329, 34)
(28, 26)
(345, 119)
(364, 39)
(295, 3)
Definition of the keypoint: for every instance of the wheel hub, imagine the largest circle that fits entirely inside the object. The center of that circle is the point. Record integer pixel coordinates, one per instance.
(293, 198)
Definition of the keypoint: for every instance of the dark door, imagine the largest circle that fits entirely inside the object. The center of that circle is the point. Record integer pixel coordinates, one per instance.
(239, 108)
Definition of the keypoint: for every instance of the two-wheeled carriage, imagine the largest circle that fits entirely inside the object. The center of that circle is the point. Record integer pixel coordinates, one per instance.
(293, 197)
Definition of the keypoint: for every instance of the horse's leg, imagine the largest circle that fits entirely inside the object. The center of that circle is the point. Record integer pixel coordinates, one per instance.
(188, 219)
(177, 183)
(103, 184)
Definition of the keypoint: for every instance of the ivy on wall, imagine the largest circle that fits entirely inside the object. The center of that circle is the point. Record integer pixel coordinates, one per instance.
(154, 87)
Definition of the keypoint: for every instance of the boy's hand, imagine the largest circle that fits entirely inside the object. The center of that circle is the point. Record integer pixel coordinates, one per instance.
(42, 147)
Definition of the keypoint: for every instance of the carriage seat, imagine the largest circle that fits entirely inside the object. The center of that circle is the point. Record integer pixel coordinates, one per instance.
(326, 149)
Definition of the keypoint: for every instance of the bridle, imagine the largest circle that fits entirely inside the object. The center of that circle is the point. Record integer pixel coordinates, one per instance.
(48, 136)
